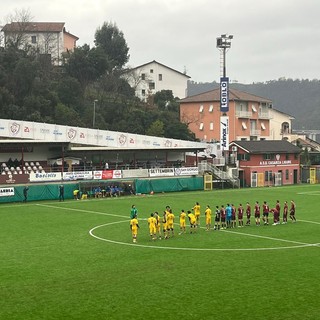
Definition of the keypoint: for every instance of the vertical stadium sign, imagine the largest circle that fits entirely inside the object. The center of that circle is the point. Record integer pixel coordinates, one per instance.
(224, 132)
(224, 94)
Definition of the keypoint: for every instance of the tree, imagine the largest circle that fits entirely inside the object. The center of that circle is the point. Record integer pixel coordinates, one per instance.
(15, 29)
(156, 129)
(111, 40)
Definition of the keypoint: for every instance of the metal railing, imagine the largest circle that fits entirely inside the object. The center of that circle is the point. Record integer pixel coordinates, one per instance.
(219, 174)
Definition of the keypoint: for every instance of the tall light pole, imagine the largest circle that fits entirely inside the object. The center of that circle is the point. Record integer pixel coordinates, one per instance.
(94, 113)
(223, 44)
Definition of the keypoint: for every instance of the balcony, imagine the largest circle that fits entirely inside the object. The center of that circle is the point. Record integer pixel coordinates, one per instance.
(264, 115)
(243, 114)
(255, 132)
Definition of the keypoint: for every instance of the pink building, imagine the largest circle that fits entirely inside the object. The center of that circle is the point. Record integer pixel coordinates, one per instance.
(266, 163)
(249, 115)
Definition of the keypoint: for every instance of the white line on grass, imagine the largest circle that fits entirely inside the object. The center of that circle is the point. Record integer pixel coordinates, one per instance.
(300, 244)
(265, 237)
(81, 210)
(307, 221)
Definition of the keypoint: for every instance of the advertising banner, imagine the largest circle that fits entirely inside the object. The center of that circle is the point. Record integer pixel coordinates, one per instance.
(224, 132)
(186, 171)
(77, 175)
(224, 94)
(6, 192)
(14, 179)
(135, 173)
(161, 172)
(42, 177)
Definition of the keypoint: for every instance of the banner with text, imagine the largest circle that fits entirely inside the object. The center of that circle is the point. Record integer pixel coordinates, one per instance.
(224, 94)
(6, 192)
(42, 177)
(224, 132)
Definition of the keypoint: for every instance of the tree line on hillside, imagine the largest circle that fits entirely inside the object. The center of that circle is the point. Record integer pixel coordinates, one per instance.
(298, 98)
(33, 89)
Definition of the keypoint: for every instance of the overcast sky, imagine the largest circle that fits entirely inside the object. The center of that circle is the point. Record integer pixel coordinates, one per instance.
(272, 39)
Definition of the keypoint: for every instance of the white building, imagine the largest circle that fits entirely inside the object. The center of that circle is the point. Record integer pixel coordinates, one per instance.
(280, 125)
(45, 38)
(153, 76)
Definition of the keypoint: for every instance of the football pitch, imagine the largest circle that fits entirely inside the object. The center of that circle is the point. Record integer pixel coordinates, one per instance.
(76, 260)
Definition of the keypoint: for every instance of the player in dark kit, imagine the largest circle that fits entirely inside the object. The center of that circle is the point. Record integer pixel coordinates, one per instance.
(293, 211)
(223, 217)
(217, 219)
(257, 213)
(233, 216)
(265, 213)
(248, 213)
(240, 216)
(285, 213)
(276, 217)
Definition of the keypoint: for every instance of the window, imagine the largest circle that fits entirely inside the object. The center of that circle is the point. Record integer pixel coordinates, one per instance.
(201, 126)
(243, 156)
(244, 126)
(211, 108)
(143, 92)
(143, 76)
(263, 127)
(268, 176)
(152, 86)
(254, 109)
(151, 70)
(287, 156)
(268, 156)
(160, 77)
(211, 125)
(201, 108)
(33, 39)
(287, 174)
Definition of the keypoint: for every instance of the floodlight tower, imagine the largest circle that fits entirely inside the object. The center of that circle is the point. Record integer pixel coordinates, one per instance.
(223, 44)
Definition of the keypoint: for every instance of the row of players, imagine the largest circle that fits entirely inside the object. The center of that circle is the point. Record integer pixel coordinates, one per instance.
(225, 217)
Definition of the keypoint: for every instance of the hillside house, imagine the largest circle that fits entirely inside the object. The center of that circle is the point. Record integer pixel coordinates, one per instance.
(45, 38)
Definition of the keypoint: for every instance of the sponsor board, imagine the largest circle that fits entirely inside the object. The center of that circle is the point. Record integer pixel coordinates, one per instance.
(186, 171)
(224, 94)
(135, 173)
(224, 132)
(107, 174)
(161, 172)
(14, 179)
(48, 176)
(6, 192)
(77, 175)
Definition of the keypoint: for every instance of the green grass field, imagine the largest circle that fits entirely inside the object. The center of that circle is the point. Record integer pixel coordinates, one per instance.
(76, 260)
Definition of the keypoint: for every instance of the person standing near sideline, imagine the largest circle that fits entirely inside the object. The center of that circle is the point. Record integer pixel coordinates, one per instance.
(25, 193)
(61, 192)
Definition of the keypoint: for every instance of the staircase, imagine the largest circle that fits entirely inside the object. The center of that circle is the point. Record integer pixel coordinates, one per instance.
(205, 167)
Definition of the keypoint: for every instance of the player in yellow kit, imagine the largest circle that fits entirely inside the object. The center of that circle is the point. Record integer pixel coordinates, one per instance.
(134, 226)
(164, 224)
(182, 221)
(192, 220)
(208, 214)
(196, 211)
(170, 221)
(158, 224)
(152, 221)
